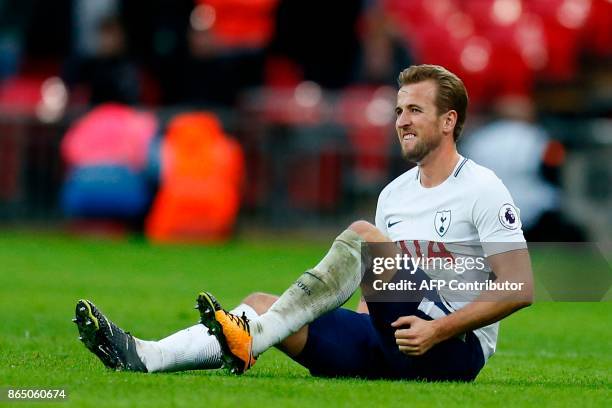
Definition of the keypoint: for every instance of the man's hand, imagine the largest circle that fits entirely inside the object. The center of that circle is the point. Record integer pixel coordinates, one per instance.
(420, 336)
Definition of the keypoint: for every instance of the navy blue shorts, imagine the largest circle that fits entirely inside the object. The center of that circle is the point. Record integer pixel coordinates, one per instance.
(344, 343)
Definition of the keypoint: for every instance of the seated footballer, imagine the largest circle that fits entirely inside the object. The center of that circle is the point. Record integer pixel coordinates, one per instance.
(446, 204)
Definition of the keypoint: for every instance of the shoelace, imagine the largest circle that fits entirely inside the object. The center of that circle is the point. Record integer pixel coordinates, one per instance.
(241, 321)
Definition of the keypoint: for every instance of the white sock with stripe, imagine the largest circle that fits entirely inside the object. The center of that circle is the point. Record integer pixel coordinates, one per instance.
(189, 349)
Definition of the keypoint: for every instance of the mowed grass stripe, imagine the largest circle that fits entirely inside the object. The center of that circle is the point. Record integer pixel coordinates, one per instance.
(552, 354)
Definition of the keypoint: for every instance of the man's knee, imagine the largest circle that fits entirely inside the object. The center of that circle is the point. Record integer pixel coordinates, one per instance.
(260, 302)
(367, 231)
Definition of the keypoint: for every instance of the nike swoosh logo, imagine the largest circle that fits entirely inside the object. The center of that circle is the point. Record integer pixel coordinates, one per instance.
(390, 224)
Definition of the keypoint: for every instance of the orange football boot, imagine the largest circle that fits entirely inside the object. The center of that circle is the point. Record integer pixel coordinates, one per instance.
(232, 332)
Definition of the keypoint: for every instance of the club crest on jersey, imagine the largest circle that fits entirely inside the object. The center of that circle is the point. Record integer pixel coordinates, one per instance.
(509, 216)
(442, 222)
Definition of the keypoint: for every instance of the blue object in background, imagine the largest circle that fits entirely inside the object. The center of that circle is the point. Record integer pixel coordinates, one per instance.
(152, 170)
(10, 56)
(108, 191)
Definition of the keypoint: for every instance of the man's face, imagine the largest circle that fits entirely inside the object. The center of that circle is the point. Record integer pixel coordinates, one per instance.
(418, 125)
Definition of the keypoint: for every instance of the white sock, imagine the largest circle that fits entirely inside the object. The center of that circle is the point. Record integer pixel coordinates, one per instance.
(189, 349)
(319, 290)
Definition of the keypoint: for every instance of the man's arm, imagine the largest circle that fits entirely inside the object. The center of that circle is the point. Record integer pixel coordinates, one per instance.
(489, 307)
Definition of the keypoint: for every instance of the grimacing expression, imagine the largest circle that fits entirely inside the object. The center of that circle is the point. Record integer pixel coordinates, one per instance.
(418, 124)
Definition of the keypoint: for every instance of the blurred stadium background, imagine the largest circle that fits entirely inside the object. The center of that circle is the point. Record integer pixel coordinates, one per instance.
(200, 120)
(193, 119)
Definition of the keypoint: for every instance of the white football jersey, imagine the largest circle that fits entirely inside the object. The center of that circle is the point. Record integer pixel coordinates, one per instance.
(464, 216)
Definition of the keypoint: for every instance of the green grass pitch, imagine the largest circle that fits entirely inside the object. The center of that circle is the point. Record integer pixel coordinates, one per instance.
(552, 354)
